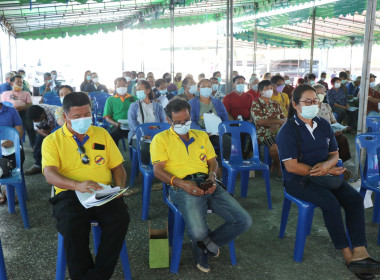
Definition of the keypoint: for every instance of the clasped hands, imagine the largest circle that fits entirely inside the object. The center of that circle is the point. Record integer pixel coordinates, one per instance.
(192, 188)
(322, 168)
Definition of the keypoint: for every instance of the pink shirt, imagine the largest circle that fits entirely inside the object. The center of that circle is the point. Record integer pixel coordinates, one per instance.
(18, 99)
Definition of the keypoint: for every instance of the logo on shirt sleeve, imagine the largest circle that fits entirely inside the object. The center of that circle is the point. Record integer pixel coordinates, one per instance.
(203, 157)
(99, 160)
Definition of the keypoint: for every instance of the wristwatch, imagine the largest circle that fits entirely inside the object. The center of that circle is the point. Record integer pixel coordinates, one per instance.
(213, 174)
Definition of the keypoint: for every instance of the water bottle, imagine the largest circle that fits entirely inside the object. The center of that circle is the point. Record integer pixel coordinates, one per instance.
(240, 118)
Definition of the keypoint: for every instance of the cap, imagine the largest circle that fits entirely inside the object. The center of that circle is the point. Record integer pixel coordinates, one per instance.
(372, 75)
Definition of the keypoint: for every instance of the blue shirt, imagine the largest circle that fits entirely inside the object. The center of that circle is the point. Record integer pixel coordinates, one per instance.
(352, 90)
(218, 105)
(5, 87)
(9, 117)
(315, 146)
(339, 97)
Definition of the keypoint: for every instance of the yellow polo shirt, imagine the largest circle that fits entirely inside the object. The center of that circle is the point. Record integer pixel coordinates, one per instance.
(283, 100)
(61, 150)
(179, 159)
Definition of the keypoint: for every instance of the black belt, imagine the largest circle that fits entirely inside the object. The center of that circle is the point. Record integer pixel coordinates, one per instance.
(192, 177)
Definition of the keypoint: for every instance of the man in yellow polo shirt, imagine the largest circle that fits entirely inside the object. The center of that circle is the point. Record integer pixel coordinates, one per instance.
(184, 158)
(117, 107)
(77, 157)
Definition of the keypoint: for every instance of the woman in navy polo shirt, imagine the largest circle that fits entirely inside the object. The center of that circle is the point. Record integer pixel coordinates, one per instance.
(311, 139)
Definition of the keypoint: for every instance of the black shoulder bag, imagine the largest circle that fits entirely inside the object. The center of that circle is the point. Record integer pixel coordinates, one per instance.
(330, 182)
(5, 167)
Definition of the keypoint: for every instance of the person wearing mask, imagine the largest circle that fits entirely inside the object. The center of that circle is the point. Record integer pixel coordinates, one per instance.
(268, 118)
(150, 74)
(235, 73)
(373, 105)
(7, 85)
(184, 158)
(337, 99)
(161, 94)
(116, 108)
(281, 98)
(288, 89)
(238, 103)
(134, 77)
(201, 76)
(95, 86)
(128, 77)
(326, 112)
(54, 82)
(308, 149)
(21, 101)
(267, 76)
(140, 76)
(43, 117)
(144, 110)
(311, 79)
(78, 157)
(86, 81)
(190, 88)
(300, 82)
(343, 79)
(354, 87)
(222, 87)
(62, 92)
(151, 81)
(254, 88)
(168, 78)
(322, 81)
(178, 80)
(26, 85)
(215, 89)
(333, 75)
(48, 85)
(348, 72)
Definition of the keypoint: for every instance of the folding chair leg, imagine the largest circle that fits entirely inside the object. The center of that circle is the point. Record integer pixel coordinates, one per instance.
(376, 209)
(231, 247)
(11, 198)
(3, 272)
(284, 216)
(147, 189)
(61, 259)
(125, 262)
(302, 228)
(244, 183)
(178, 231)
(267, 187)
(22, 202)
(231, 181)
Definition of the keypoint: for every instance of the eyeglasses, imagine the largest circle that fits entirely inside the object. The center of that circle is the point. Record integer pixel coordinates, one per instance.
(179, 125)
(308, 102)
(81, 151)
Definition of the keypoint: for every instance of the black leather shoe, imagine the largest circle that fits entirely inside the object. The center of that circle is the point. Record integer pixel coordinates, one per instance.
(366, 266)
(365, 276)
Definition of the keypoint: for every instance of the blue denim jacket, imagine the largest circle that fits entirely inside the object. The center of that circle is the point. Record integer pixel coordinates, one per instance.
(133, 111)
(218, 105)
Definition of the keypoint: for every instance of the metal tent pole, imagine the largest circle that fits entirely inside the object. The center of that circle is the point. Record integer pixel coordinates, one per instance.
(268, 58)
(312, 42)
(16, 54)
(351, 58)
(228, 82)
(1, 67)
(122, 51)
(231, 42)
(10, 52)
(298, 66)
(255, 48)
(172, 37)
(366, 67)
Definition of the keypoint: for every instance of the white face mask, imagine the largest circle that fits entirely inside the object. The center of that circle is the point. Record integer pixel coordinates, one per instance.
(95, 80)
(268, 93)
(255, 87)
(122, 90)
(287, 82)
(321, 97)
(128, 79)
(61, 98)
(337, 85)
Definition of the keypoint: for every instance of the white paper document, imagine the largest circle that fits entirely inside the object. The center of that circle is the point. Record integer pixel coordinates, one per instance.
(98, 198)
(212, 122)
(338, 127)
(352, 109)
(163, 100)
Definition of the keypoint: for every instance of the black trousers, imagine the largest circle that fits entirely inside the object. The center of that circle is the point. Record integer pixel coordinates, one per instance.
(117, 133)
(37, 150)
(73, 222)
(29, 127)
(331, 201)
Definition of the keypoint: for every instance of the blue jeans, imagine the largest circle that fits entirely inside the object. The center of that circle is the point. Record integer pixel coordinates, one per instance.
(194, 211)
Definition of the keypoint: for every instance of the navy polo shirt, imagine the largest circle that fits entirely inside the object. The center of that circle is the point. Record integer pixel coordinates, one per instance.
(9, 117)
(316, 143)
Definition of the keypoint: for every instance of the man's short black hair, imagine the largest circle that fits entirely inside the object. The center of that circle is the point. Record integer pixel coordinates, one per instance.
(176, 105)
(166, 74)
(263, 84)
(311, 77)
(237, 77)
(66, 86)
(120, 79)
(46, 75)
(323, 73)
(12, 80)
(215, 73)
(35, 112)
(159, 82)
(276, 78)
(343, 75)
(75, 99)
(21, 70)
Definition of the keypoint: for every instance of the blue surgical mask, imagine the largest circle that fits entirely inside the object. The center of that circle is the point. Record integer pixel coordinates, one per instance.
(81, 125)
(312, 82)
(337, 85)
(88, 78)
(344, 81)
(214, 87)
(164, 91)
(240, 88)
(134, 80)
(193, 90)
(255, 87)
(182, 130)
(372, 84)
(61, 98)
(219, 79)
(205, 92)
(309, 112)
(140, 94)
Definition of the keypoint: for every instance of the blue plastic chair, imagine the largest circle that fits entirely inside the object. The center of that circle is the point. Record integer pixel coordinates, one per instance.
(176, 226)
(236, 164)
(97, 93)
(98, 104)
(6, 103)
(369, 172)
(16, 179)
(52, 100)
(96, 232)
(50, 93)
(373, 124)
(3, 272)
(150, 129)
(133, 158)
(304, 222)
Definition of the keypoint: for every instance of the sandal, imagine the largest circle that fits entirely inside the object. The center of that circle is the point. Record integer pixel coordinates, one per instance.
(130, 192)
(3, 200)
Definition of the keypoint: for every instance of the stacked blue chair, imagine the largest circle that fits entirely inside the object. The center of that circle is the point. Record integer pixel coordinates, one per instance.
(147, 129)
(96, 232)
(373, 124)
(97, 93)
(236, 164)
(98, 104)
(176, 231)
(52, 98)
(6, 103)
(369, 171)
(304, 222)
(3, 272)
(16, 179)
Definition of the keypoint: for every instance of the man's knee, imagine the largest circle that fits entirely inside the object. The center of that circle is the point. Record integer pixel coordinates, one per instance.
(243, 222)
(198, 233)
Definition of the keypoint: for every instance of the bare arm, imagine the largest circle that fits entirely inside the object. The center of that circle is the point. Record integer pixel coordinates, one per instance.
(60, 121)
(112, 121)
(268, 122)
(373, 99)
(53, 177)
(119, 176)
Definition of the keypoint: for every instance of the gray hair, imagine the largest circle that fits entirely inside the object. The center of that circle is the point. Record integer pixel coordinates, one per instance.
(317, 86)
(9, 75)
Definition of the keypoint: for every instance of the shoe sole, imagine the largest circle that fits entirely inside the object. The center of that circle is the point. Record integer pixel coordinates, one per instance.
(203, 269)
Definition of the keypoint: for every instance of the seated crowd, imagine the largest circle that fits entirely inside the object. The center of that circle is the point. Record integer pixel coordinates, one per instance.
(290, 120)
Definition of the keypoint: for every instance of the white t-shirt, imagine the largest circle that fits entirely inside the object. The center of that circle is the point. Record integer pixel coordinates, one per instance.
(148, 112)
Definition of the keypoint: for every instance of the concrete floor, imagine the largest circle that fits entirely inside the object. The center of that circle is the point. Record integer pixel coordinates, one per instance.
(31, 254)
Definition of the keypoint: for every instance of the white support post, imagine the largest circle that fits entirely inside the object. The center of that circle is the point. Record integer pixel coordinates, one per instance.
(312, 42)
